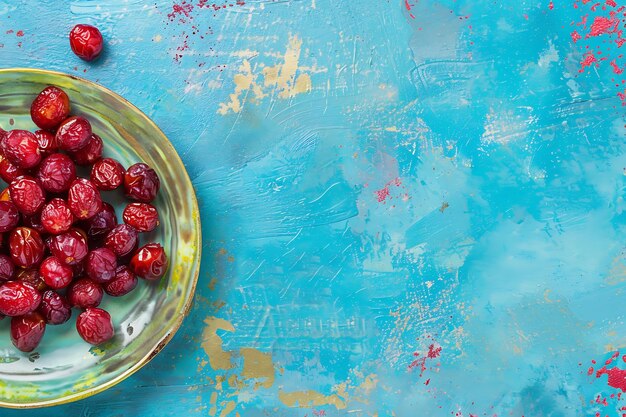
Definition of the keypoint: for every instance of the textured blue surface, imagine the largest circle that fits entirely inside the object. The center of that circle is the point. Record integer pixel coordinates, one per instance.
(378, 180)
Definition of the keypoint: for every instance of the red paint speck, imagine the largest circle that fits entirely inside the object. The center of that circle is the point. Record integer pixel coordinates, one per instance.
(601, 25)
(408, 8)
(616, 68)
(434, 352)
(611, 3)
(575, 36)
(589, 60)
(182, 9)
(551, 5)
(383, 193)
(19, 33)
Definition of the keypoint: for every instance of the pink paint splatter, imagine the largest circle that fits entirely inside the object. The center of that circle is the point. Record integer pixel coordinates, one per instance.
(575, 36)
(408, 8)
(611, 3)
(19, 33)
(602, 25)
(434, 352)
(588, 61)
(616, 68)
(182, 9)
(551, 5)
(383, 193)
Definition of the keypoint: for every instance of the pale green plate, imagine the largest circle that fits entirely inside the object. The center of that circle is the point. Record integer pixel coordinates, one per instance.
(64, 368)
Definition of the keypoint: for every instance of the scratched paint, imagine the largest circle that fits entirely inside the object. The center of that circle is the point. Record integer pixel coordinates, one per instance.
(399, 199)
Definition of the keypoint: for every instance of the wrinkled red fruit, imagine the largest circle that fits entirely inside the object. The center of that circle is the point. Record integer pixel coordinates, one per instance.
(121, 240)
(50, 108)
(85, 293)
(56, 216)
(26, 247)
(123, 283)
(91, 153)
(56, 173)
(86, 41)
(18, 298)
(55, 273)
(27, 331)
(31, 276)
(107, 174)
(47, 142)
(142, 216)
(9, 171)
(55, 308)
(84, 199)
(150, 262)
(101, 264)
(21, 148)
(94, 325)
(101, 224)
(9, 216)
(34, 222)
(27, 195)
(6, 268)
(70, 247)
(73, 134)
(141, 183)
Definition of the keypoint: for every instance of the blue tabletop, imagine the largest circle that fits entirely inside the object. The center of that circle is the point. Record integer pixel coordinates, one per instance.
(409, 208)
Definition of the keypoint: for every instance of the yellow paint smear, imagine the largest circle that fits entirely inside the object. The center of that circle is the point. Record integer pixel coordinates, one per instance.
(286, 78)
(258, 365)
(212, 343)
(305, 399)
(228, 408)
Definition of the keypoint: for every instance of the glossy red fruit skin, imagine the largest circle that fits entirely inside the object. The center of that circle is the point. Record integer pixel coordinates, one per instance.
(150, 262)
(27, 331)
(84, 199)
(85, 293)
(73, 134)
(121, 240)
(18, 298)
(9, 216)
(141, 183)
(56, 216)
(101, 224)
(34, 222)
(9, 171)
(7, 269)
(70, 247)
(89, 154)
(47, 142)
(26, 247)
(124, 282)
(86, 41)
(143, 217)
(56, 173)
(101, 265)
(27, 195)
(55, 308)
(94, 325)
(32, 277)
(21, 148)
(107, 174)
(50, 108)
(55, 273)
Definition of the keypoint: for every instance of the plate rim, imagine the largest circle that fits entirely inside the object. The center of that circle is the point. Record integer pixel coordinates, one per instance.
(197, 225)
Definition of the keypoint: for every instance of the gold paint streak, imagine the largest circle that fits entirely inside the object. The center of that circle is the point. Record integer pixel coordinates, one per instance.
(286, 77)
(212, 343)
(392, 129)
(213, 400)
(234, 382)
(219, 380)
(304, 399)
(212, 284)
(230, 406)
(617, 273)
(258, 365)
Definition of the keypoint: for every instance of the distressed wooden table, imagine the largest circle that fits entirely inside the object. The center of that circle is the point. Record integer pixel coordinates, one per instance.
(409, 208)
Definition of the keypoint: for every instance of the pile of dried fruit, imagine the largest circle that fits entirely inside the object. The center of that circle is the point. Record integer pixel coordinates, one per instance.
(60, 244)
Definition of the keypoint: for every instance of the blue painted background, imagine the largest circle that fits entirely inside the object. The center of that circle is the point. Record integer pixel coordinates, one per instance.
(448, 183)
